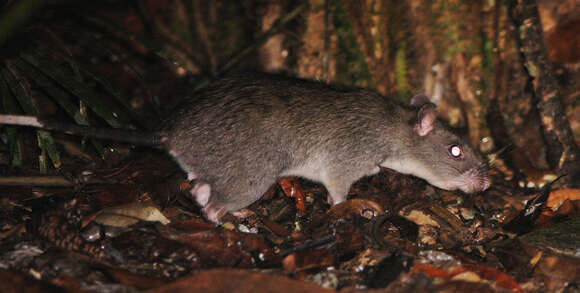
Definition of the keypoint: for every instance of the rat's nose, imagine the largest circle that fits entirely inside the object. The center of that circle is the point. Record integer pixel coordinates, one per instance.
(475, 179)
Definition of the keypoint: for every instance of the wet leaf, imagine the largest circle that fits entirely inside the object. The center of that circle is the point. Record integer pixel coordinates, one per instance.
(292, 189)
(525, 220)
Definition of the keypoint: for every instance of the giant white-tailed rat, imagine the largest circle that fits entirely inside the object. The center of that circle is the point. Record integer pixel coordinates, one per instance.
(235, 138)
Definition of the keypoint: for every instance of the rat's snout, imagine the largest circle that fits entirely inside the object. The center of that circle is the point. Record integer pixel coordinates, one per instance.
(474, 180)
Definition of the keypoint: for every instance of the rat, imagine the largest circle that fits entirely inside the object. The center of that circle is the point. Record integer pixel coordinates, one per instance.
(236, 137)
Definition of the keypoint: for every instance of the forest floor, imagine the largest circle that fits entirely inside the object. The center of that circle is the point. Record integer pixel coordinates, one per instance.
(129, 225)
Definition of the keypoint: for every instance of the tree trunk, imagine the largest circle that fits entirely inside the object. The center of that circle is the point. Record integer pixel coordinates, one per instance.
(563, 153)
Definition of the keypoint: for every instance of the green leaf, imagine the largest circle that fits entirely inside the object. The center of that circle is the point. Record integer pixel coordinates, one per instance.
(60, 96)
(42, 166)
(77, 88)
(9, 105)
(48, 145)
(100, 80)
(44, 138)
(18, 92)
(14, 146)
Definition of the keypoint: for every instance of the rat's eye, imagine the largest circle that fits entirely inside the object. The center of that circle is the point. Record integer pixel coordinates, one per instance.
(456, 151)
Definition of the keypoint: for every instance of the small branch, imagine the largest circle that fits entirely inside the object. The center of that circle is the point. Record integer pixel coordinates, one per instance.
(49, 181)
(36, 181)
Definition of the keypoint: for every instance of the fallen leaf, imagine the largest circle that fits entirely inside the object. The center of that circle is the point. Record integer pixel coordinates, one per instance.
(355, 207)
(292, 188)
(467, 276)
(420, 218)
(305, 260)
(239, 281)
(558, 197)
(430, 271)
(136, 280)
(225, 247)
(130, 214)
(19, 282)
(490, 274)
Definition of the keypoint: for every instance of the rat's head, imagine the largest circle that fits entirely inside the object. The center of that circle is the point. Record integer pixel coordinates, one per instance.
(433, 152)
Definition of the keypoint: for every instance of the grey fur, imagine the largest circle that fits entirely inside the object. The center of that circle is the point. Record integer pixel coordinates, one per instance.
(242, 133)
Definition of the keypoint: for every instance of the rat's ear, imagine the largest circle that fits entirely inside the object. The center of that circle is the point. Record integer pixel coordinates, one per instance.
(425, 119)
(419, 100)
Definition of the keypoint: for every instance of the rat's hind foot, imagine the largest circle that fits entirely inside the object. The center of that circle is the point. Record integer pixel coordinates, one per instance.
(212, 211)
(242, 213)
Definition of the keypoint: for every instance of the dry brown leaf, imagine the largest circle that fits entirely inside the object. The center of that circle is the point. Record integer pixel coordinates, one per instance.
(226, 248)
(307, 260)
(239, 281)
(421, 218)
(127, 215)
(20, 282)
(355, 207)
(558, 197)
